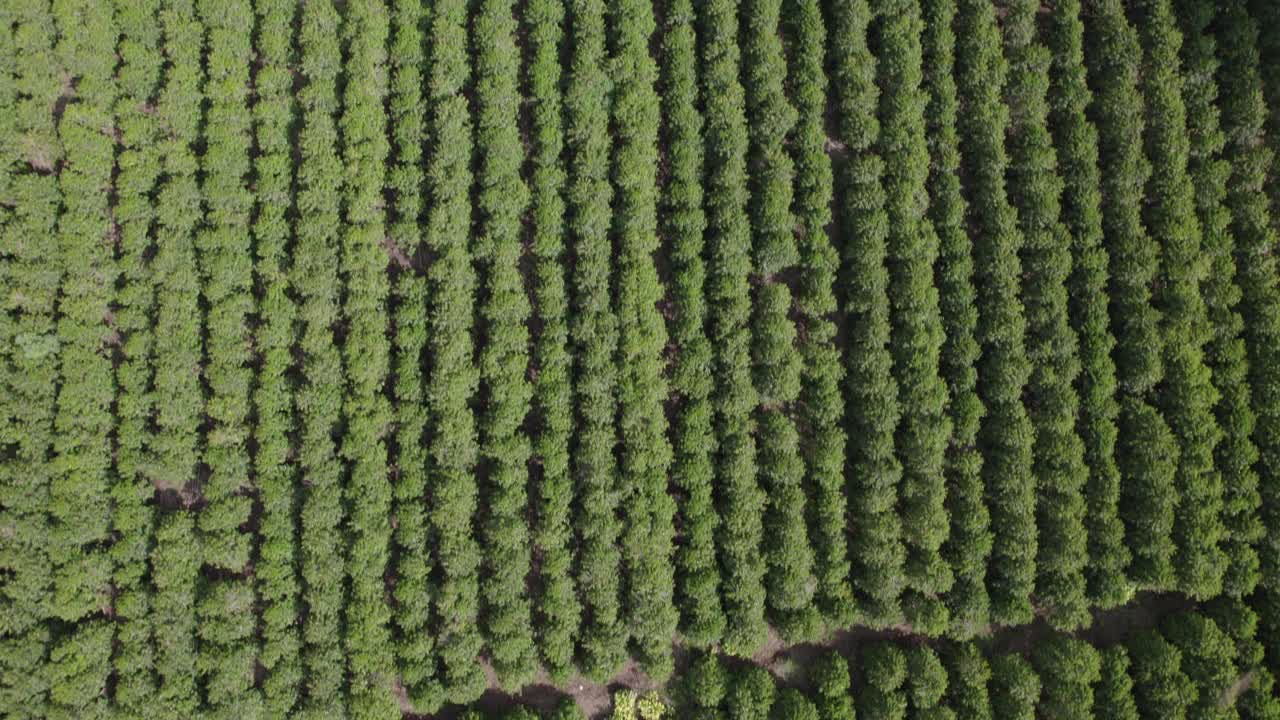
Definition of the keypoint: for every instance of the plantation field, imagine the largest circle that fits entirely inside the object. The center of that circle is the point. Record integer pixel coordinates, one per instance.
(712, 359)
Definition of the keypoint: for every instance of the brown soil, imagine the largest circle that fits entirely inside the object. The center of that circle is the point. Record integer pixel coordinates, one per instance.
(1237, 688)
(169, 496)
(398, 256)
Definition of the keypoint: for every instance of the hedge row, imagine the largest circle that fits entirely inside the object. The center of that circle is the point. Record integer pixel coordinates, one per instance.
(358, 356)
(1192, 664)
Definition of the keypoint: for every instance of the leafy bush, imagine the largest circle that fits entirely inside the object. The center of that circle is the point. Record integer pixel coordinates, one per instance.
(273, 397)
(693, 441)
(729, 308)
(821, 403)
(1187, 396)
(452, 378)
(594, 333)
(502, 198)
(1075, 140)
(644, 450)
(1053, 405)
(871, 393)
(557, 610)
(1146, 453)
(917, 331)
(968, 545)
(776, 365)
(1006, 434)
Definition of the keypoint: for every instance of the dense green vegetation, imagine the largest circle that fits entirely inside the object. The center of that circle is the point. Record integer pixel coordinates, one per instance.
(1052, 349)
(642, 390)
(1146, 451)
(1076, 144)
(557, 608)
(781, 359)
(969, 543)
(501, 199)
(684, 221)
(593, 330)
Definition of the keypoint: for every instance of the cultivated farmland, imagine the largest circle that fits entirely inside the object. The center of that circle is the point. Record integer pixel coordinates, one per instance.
(714, 359)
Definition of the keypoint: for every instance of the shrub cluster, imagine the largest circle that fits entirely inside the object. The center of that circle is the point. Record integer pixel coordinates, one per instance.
(371, 357)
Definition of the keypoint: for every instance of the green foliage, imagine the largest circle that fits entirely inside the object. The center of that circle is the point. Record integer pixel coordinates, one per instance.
(339, 343)
(177, 311)
(594, 332)
(226, 663)
(1113, 695)
(452, 374)
(1006, 434)
(624, 705)
(8, 101)
(650, 706)
(969, 544)
(706, 682)
(645, 453)
(871, 392)
(224, 258)
(629, 705)
(830, 677)
(567, 709)
(793, 705)
(505, 393)
(926, 684)
(174, 573)
(29, 371)
(83, 422)
(1076, 142)
(1187, 397)
(1053, 405)
(1239, 621)
(1225, 352)
(969, 675)
(28, 382)
(1161, 688)
(1259, 702)
(133, 519)
(821, 404)
(366, 356)
(776, 364)
(751, 694)
(1243, 117)
(77, 681)
(36, 88)
(1068, 668)
(883, 696)
(315, 279)
(557, 609)
(1207, 659)
(414, 645)
(79, 491)
(276, 570)
(228, 648)
(702, 618)
(1015, 688)
(917, 330)
(1146, 453)
(1265, 15)
(729, 303)
(770, 117)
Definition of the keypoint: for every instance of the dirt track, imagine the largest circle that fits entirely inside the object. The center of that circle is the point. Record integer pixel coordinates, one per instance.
(789, 662)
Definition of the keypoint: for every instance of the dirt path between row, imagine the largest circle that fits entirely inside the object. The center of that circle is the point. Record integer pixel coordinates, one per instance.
(789, 663)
